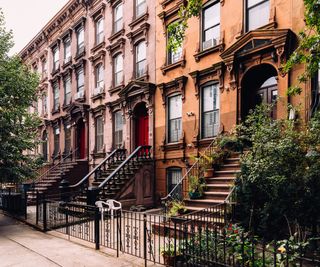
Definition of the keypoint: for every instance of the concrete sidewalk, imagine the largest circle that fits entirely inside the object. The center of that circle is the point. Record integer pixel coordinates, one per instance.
(21, 245)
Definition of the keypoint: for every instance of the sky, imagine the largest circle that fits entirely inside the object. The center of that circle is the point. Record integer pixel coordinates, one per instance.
(27, 17)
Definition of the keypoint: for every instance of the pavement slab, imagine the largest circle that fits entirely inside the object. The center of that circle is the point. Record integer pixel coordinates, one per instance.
(21, 245)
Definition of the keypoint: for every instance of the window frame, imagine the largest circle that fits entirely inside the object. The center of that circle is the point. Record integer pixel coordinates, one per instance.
(169, 120)
(99, 81)
(169, 172)
(115, 130)
(202, 112)
(80, 46)
(78, 71)
(115, 21)
(99, 134)
(136, 8)
(56, 141)
(99, 36)
(56, 96)
(117, 72)
(169, 52)
(56, 61)
(67, 141)
(246, 13)
(203, 30)
(67, 41)
(66, 79)
(136, 62)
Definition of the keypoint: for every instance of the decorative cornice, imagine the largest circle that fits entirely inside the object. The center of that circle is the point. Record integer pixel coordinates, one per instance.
(176, 85)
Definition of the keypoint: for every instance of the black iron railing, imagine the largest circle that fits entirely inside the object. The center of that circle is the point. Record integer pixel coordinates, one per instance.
(126, 167)
(113, 157)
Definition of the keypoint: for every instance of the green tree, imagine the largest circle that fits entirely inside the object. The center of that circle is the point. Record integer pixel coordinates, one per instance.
(18, 127)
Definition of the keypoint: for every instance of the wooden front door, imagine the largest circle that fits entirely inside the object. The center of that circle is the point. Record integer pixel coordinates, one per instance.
(268, 95)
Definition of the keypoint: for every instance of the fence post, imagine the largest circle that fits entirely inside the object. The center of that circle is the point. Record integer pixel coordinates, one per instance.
(175, 243)
(97, 228)
(37, 207)
(145, 239)
(25, 205)
(44, 210)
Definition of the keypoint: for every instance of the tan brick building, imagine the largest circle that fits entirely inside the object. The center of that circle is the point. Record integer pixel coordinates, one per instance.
(109, 81)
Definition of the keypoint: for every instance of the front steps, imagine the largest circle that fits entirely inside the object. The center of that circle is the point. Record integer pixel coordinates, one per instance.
(218, 186)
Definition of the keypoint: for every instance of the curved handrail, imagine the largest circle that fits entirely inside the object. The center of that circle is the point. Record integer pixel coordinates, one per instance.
(169, 195)
(96, 168)
(55, 165)
(133, 154)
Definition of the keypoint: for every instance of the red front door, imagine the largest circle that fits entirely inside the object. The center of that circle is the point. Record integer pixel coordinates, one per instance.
(81, 140)
(142, 130)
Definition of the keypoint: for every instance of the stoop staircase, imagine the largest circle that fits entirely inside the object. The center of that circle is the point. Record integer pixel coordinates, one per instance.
(49, 182)
(218, 186)
(118, 177)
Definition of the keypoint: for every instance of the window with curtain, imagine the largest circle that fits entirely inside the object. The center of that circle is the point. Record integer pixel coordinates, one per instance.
(210, 116)
(99, 134)
(99, 31)
(99, 76)
(118, 18)
(174, 176)
(118, 129)
(174, 118)
(67, 90)
(257, 13)
(141, 59)
(140, 7)
(118, 70)
(211, 25)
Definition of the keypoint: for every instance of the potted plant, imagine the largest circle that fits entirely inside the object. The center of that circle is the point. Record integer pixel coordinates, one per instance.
(170, 254)
(177, 208)
(196, 186)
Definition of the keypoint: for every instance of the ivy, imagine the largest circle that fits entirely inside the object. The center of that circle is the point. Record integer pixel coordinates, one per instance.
(177, 30)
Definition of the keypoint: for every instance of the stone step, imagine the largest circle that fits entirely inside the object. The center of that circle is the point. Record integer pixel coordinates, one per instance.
(226, 173)
(230, 166)
(229, 180)
(218, 187)
(203, 203)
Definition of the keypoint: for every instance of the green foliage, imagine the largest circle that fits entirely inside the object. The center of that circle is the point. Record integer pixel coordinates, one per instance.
(196, 185)
(177, 30)
(279, 183)
(177, 208)
(18, 127)
(308, 51)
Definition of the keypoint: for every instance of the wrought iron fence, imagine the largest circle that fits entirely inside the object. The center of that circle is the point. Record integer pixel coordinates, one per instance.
(13, 201)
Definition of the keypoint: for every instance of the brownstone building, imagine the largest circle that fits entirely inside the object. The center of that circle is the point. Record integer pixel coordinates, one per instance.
(109, 81)
(229, 62)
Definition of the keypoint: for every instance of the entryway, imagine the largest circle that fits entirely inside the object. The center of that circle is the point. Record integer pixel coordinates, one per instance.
(81, 139)
(141, 124)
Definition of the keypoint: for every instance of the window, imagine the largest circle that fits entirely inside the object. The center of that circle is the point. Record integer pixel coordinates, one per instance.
(140, 7)
(118, 129)
(99, 134)
(174, 176)
(117, 18)
(67, 140)
(210, 122)
(80, 40)
(67, 89)
(174, 55)
(80, 80)
(99, 31)
(55, 58)
(99, 76)
(44, 68)
(118, 70)
(56, 137)
(44, 105)
(174, 117)
(140, 56)
(67, 50)
(257, 13)
(210, 26)
(56, 103)
(45, 146)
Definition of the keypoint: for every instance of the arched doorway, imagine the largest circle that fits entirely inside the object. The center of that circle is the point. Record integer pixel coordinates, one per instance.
(141, 125)
(45, 146)
(259, 85)
(81, 139)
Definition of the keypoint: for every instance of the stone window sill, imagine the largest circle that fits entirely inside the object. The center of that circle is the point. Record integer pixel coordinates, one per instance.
(168, 67)
(203, 53)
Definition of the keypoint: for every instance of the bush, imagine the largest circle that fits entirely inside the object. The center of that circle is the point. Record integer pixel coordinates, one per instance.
(279, 184)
